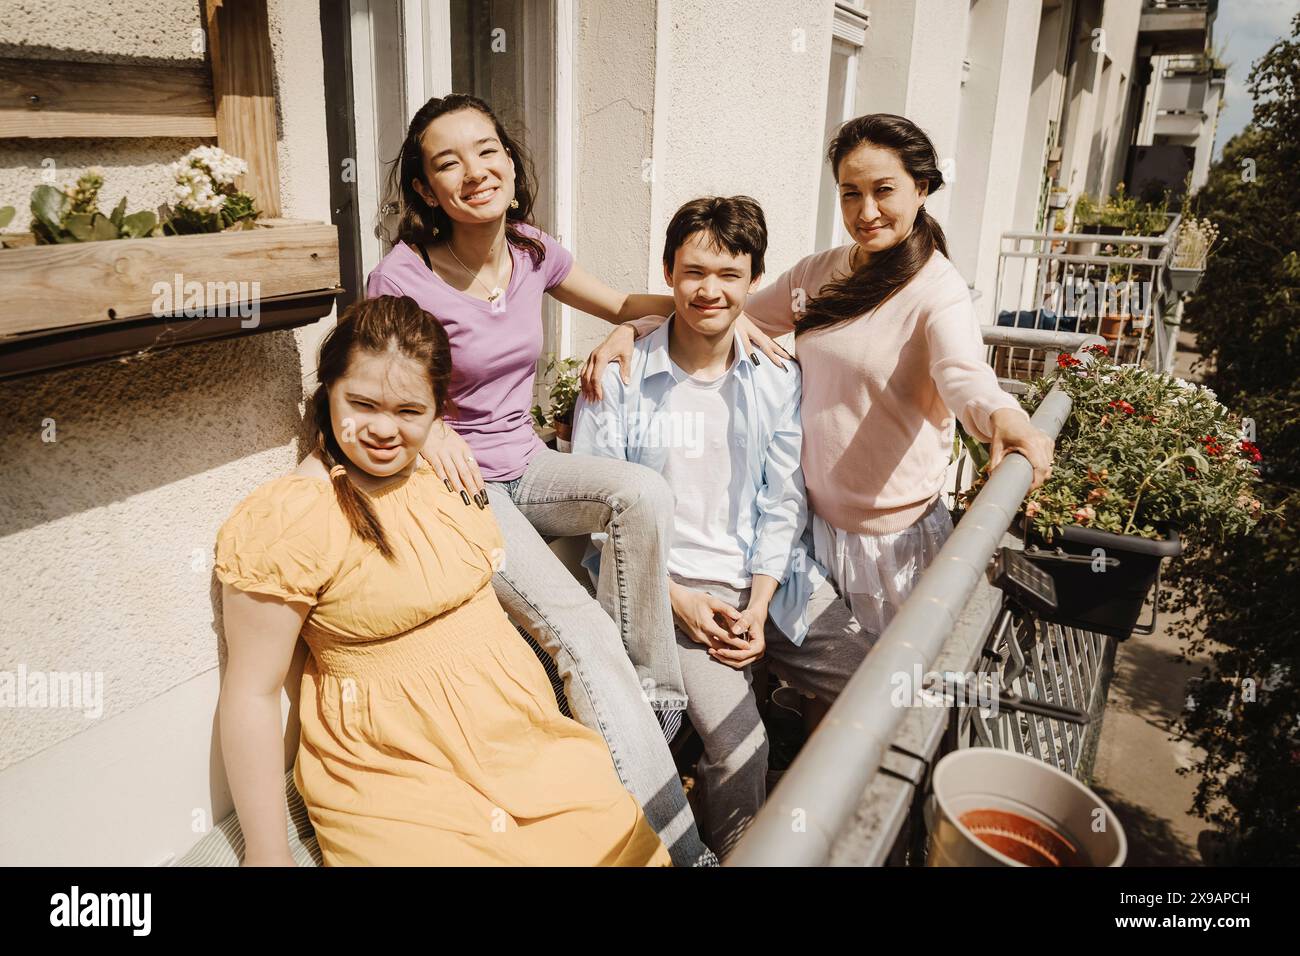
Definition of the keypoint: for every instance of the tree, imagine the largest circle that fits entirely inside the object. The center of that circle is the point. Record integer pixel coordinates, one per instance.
(1240, 597)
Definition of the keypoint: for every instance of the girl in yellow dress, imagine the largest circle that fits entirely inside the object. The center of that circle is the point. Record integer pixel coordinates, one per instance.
(430, 733)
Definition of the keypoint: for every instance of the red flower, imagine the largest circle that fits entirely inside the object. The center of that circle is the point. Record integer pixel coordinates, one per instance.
(1067, 361)
(1097, 349)
(1123, 406)
(1212, 447)
(1251, 451)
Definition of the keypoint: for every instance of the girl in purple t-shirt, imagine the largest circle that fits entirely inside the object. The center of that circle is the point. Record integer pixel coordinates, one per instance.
(468, 253)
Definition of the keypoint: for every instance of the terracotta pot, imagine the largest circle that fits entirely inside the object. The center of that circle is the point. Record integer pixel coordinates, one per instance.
(1112, 326)
(563, 436)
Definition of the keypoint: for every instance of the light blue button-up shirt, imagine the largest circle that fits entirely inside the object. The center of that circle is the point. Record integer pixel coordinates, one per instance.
(777, 537)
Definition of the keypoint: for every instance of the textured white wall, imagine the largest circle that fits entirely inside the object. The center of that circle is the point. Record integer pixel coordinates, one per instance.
(614, 77)
(884, 65)
(743, 103)
(706, 98)
(995, 104)
(106, 534)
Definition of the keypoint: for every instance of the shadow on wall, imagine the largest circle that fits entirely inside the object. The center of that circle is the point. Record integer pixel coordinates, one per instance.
(84, 438)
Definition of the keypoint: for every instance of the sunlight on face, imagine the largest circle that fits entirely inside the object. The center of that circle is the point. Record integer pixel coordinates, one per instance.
(878, 199)
(381, 411)
(709, 283)
(472, 175)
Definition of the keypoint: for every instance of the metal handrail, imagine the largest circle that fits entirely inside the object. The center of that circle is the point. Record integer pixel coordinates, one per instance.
(1036, 258)
(823, 787)
(1160, 240)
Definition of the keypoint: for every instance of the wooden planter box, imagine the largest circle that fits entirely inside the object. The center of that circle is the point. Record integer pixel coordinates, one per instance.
(83, 302)
(50, 287)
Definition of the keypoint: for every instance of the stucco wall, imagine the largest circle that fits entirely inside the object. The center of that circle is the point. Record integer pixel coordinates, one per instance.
(681, 99)
(995, 103)
(742, 101)
(614, 76)
(106, 533)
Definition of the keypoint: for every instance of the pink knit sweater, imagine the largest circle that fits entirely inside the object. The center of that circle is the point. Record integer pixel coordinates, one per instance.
(880, 391)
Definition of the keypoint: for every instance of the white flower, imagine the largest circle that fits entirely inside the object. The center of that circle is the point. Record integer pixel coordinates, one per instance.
(217, 164)
(193, 190)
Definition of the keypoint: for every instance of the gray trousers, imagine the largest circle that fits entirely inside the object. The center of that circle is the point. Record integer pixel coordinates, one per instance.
(731, 776)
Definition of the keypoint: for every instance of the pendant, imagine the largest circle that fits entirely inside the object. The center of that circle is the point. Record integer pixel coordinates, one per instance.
(495, 294)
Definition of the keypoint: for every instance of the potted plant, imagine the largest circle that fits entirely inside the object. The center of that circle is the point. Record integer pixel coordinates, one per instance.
(564, 375)
(1193, 243)
(1143, 458)
(1119, 215)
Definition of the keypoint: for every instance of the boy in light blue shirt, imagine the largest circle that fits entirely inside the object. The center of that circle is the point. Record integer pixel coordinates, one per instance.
(724, 430)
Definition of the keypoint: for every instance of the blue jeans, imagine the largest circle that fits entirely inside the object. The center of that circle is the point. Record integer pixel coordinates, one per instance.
(561, 494)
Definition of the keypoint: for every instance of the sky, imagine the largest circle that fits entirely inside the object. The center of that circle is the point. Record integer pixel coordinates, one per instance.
(1243, 31)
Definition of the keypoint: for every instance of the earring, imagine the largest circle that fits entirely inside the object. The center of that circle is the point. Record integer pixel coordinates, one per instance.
(514, 204)
(435, 231)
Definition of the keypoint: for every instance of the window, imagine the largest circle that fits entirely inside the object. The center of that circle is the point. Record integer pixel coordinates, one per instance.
(841, 99)
(502, 51)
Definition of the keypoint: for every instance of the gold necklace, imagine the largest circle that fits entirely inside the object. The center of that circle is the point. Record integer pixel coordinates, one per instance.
(493, 293)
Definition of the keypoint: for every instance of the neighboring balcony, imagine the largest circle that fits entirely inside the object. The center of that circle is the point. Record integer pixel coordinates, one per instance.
(1175, 26)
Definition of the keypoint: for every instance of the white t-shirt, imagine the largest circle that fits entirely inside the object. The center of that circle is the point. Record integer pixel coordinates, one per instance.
(705, 472)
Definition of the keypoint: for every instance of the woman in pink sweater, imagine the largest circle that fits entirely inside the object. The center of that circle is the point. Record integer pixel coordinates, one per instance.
(891, 352)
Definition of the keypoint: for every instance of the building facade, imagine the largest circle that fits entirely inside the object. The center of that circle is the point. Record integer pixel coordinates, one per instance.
(630, 108)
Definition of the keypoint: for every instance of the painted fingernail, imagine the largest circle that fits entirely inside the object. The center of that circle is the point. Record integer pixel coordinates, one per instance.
(464, 497)
(753, 357)
(482, 501)
(447, 482)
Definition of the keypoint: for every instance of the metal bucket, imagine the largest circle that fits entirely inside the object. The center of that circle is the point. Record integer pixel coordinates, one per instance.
(994, 807)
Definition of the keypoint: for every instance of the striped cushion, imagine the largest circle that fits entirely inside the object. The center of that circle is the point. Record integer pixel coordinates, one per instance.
(552, 671)
(223, 845)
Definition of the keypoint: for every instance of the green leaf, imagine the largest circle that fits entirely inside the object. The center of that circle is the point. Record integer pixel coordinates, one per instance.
(79, 227)
(139, 224)
(48, 204)
(6, 215)
(118, 212)
(102, 228)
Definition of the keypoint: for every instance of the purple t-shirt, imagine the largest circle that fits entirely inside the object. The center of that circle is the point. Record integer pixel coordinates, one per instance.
(493, 353)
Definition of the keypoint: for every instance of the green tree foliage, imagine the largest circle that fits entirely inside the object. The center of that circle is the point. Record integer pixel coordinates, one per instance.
(1241, 595)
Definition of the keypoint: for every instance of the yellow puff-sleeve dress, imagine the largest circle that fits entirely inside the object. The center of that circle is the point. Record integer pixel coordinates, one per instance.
(430, 733)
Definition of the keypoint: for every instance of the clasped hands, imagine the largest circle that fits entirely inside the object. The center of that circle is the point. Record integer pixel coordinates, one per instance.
(734, 637)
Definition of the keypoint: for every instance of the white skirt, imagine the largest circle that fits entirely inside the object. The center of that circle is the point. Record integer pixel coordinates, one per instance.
(874, 573)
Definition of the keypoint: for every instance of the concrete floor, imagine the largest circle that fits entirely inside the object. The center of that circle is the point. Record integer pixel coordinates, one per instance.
(1137, 756)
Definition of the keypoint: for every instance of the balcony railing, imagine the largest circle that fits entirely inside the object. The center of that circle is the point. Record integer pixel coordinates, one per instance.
(853, 795)
(1109, 285)
(1176, 26)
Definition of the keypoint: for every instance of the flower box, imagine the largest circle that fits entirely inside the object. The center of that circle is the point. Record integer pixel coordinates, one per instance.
(1143, 459)
(1093, 592)
(73, 303)
(55, 286)
(1184, 281)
